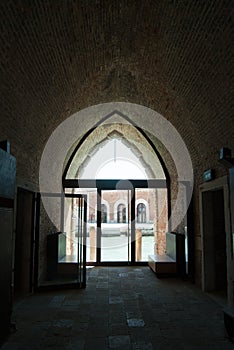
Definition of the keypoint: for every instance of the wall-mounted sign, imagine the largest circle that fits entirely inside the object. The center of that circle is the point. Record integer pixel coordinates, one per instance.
(208, 175)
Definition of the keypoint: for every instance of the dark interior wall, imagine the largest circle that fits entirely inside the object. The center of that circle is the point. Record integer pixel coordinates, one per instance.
(231, 174)
(24, 242)
(46, 228)
(7, 192)
(220, 240)
(6, 221)
(215, 250)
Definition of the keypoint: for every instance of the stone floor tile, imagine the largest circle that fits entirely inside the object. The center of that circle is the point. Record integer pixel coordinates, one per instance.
(142, 345)
(134, 313)
(96, 343)
(115, 300)
(135, 322)
(119, 328)
(119, 342)
(102, 285)
(75, 344)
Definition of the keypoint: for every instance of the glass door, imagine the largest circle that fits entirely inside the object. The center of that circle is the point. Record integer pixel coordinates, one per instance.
(90, 195)
(72, 241)
(81, 239)
(115, 230)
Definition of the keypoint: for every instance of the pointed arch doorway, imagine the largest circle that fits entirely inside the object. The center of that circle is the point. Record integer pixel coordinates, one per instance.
(115, 234)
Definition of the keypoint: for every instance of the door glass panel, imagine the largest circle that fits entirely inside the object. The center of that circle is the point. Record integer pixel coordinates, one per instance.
(91, 225)
(70, 254)
(66, 254)
(115, 227)
(73, 237)
(151, 222)
(91, 240)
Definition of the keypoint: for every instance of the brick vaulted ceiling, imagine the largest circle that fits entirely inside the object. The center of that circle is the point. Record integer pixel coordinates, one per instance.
(174, 56)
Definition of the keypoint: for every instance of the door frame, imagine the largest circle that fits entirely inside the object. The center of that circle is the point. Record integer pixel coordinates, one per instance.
(218, 184)
(81, 247)
(68, 267)
(131, 217)
(119, 184)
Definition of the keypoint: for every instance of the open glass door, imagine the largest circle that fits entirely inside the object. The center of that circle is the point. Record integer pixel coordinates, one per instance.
(81, 239)
(72, 242)
(90, 195)
(66, 249)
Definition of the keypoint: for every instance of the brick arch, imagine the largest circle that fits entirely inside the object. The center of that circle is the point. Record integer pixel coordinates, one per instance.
(125, 130)
(100, 134)
(128, 143)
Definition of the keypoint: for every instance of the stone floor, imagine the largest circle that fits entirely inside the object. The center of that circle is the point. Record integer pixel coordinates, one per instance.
(122, 308)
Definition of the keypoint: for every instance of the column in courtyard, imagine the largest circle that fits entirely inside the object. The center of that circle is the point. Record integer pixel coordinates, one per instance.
(156, 223)
(138, 245)
(92, 234)
(161, 220)
(74, 219)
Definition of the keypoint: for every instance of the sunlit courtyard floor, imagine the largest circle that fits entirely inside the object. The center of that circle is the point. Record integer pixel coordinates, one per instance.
(116, 248)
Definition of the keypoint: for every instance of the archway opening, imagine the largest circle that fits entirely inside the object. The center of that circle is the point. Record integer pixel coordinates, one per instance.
(112, 160)
(117, 216)
(158, 147)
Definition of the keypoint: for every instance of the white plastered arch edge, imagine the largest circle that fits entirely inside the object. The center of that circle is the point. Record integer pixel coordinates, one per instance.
(74, 127)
